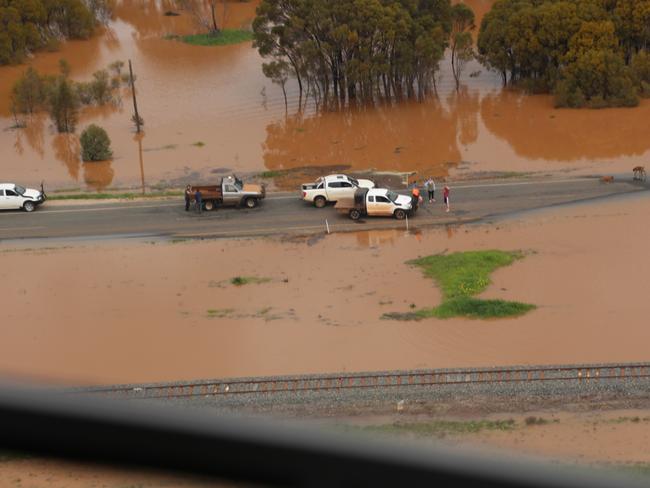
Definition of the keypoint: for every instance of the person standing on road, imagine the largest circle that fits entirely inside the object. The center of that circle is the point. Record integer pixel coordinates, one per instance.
(445, 195)
(430, 185)
(415, 196)
(188, 197)
(199, 201)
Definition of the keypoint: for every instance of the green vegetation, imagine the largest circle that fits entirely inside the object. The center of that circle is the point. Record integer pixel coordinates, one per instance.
(587, 53)
(461, 276)
(198, 144)
(538, 421)
(272, 173)
(248, 280)
(62, 97)
(219, 313)
(95, 144)
(221, 38)
(29, 25)
(362, 51)
(440, 428)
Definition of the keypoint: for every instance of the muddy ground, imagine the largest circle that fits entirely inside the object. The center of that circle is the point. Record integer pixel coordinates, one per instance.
(116, 312)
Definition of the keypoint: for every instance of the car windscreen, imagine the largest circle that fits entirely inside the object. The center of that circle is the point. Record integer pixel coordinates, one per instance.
(354, 182)
(19, 189)
(392, 196)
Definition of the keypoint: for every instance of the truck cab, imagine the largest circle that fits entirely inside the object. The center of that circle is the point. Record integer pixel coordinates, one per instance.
(15, 197)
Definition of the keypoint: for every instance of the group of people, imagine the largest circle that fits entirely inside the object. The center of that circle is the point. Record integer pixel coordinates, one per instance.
(430, 188)
(198, 198)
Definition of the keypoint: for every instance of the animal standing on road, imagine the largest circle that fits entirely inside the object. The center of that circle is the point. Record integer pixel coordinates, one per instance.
(639, 173)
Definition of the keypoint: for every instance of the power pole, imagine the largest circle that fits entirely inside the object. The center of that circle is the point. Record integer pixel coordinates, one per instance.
(135, 102)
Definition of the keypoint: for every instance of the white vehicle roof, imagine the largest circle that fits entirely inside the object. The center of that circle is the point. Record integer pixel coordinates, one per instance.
(378, 191)
(336, 177)
(7, 186)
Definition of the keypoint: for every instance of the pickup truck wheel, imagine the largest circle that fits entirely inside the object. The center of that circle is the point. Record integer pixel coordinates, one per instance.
(250, 202)
(320, 202)
(209, 205)
(29, 206)
(400, 214)
(355, 214)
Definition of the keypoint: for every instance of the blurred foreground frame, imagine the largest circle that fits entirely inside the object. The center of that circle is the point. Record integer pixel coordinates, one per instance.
(192, 441)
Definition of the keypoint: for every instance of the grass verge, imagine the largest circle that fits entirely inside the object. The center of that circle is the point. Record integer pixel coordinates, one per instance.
(223, 38)
(248, 280)
(460, 276)
(440, 428)
(219, 313)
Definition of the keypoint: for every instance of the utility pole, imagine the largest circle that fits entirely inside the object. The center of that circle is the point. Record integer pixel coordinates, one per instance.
(135, 102)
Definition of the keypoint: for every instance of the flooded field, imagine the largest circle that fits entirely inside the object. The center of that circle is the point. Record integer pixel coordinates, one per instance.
(218, 96)
(118, 312)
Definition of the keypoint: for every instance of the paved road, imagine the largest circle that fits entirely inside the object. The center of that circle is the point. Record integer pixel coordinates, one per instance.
(284, 213)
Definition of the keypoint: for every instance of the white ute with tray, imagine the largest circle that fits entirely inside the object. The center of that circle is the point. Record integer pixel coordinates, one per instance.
(14, 197)
(332, 188)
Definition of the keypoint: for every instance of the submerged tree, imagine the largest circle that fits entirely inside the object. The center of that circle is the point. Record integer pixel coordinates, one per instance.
(580, 51)
(204, 13)
(461, 42)
(347, 52)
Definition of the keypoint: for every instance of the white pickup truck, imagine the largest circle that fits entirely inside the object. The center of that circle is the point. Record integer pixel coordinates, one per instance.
(14, 196)
(332, 188)
(378, 202)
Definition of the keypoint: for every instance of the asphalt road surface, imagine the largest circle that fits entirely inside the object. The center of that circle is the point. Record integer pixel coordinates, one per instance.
(284, 213)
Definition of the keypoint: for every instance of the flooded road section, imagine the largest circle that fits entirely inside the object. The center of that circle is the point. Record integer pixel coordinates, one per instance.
(218, 96)
(153, 312)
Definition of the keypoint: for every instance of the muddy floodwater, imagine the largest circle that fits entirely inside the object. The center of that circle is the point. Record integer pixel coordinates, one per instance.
(218, 96)
(122, 312)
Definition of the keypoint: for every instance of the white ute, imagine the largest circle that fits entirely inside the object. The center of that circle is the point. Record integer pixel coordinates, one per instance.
(379, 202)
(14, 196)
(332, 188)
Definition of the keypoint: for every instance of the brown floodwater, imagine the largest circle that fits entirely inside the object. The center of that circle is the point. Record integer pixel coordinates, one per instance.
(119, 312)
(218, 96)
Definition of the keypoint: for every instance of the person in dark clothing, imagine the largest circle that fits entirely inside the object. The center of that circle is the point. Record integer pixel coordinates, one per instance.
(188, 197)
(415, 196)
(199, 201)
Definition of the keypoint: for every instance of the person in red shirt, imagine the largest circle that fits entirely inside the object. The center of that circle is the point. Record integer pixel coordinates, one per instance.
(445, 196)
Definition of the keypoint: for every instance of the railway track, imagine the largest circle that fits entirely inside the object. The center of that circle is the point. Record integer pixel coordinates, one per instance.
(433, 378)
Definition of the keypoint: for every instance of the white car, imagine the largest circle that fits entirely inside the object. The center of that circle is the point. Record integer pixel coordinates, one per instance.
(14, 196)
(332, 188)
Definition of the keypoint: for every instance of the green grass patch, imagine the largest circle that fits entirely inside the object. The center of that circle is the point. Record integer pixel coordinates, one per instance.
(217, 313)
(272, 174)
(110, 196)
(439, 428)
(461, 276)
(223, 38)
(248, 280)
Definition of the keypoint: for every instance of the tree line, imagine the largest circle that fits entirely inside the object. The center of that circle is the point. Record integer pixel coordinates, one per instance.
(27, 26)
(62, 97)
(345, 51)
(592, 53)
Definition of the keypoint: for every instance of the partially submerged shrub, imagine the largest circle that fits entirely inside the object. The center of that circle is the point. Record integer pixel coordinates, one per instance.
(95, 144)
